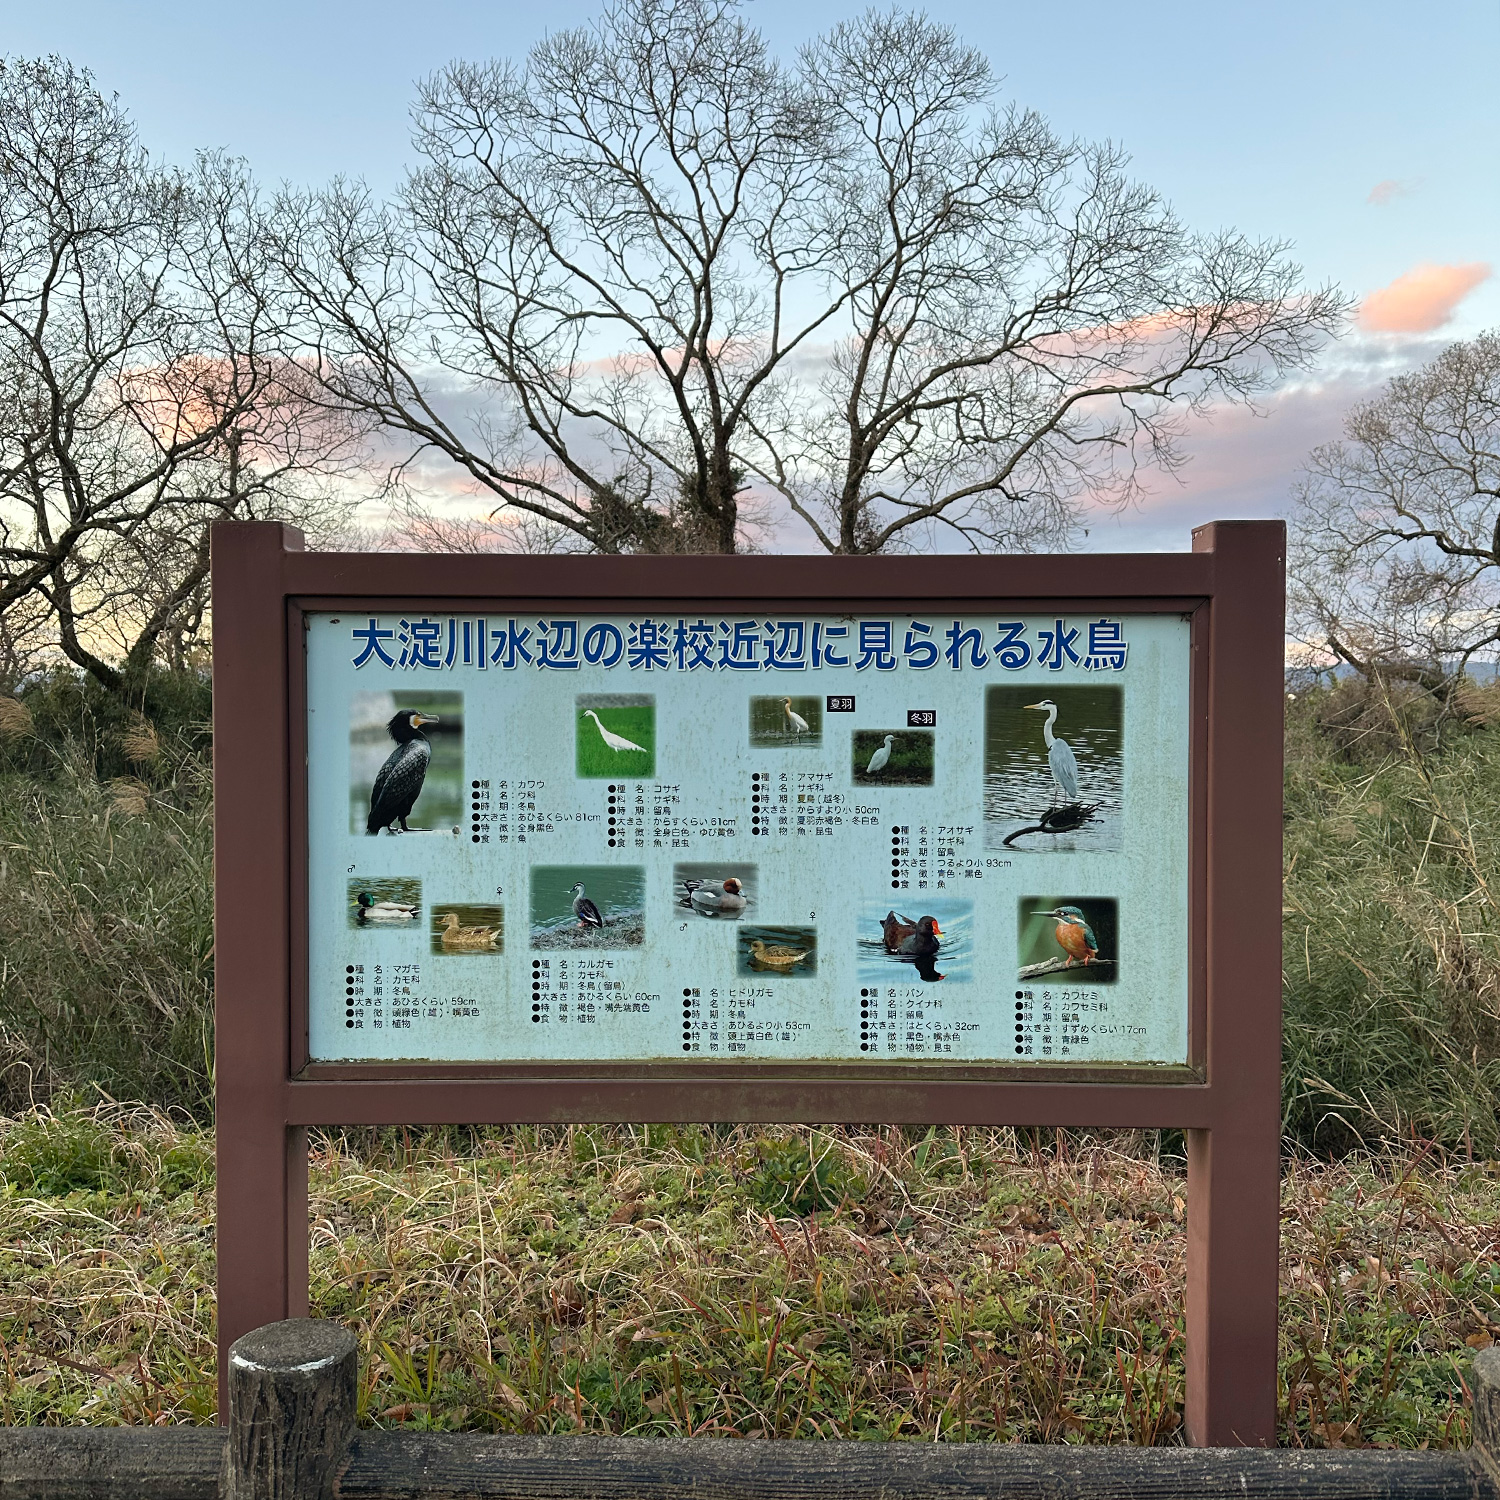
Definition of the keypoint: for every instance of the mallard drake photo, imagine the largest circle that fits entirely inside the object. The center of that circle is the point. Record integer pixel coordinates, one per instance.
(371, 910)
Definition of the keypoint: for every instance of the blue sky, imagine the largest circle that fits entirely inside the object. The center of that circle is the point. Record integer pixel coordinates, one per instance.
(1280, 119)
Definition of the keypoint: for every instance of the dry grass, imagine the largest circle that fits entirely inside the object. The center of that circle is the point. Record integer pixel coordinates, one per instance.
(962, 1285)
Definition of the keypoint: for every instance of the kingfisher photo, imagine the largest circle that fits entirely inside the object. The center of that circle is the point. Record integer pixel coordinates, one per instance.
(1075, 938)
(406, 763)
(1053, 767)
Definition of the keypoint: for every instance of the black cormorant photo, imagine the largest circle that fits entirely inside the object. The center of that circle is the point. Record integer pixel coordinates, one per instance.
(399, 782)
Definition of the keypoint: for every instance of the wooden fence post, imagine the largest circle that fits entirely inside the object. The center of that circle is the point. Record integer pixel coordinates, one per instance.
(1486, 1394)
(292, 1401)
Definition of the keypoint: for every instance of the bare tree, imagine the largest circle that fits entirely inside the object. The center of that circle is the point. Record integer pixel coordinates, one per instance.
(1395, 542)
(653, 273)
(141, 392)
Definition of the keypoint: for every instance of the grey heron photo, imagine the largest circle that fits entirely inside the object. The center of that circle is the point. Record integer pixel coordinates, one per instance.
(1053, 766)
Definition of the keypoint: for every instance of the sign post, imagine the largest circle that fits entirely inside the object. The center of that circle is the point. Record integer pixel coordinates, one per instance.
(917, 840)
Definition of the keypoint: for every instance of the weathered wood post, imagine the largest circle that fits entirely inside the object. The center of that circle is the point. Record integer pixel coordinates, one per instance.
(292, 1400)
(1486, 1395)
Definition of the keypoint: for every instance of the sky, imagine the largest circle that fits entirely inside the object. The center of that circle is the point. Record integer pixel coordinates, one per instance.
(1362, 133)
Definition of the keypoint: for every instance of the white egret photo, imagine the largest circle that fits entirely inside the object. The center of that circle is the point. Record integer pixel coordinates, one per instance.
(893, 757)
(616, 735)
(1053, 769)
(781, 722)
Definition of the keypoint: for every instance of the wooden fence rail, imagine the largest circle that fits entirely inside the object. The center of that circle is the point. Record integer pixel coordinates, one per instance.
(292, 1437)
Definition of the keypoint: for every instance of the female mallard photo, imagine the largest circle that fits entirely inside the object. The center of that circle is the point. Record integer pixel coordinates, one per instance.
(455, 936)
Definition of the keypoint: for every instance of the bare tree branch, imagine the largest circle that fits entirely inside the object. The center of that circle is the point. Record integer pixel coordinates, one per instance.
(142, 394)
(652, 274)
(1395, 546)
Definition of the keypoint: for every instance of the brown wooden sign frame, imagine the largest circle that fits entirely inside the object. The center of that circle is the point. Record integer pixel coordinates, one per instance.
(1227, 1099)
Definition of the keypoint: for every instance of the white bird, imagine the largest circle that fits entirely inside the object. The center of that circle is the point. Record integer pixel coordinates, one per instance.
(1059, 753)
(587, 913)
(880, 757)
(614, 741)
(712, 896)
(794, 721)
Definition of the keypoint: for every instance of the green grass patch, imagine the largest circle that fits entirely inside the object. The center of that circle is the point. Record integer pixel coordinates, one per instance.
(878, 1283)
(633, 721)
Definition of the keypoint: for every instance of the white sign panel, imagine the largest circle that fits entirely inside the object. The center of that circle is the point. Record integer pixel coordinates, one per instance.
(903, 838)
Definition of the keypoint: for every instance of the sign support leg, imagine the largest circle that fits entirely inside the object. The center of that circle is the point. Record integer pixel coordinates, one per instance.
(262, 1163)
(1233, 1211)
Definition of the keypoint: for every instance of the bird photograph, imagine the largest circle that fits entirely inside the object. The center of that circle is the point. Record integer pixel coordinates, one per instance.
(714, 890)
(1053, 773)
(1075, 936)
(936, 939)
(616, 735)
(894, 757)
(406, 763)
(587, 906)
(788, 951)
(467, 929)
(778, 723)
(383, 902)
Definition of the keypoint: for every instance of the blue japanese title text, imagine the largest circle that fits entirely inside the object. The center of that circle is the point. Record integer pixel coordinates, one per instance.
(655, 645)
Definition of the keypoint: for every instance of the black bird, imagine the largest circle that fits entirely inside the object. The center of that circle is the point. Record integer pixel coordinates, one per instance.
(922, 941)
(1058, 820)
(399, 781)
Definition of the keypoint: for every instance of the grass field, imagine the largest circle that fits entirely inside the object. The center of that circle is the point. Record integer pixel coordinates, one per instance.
(964, 1285)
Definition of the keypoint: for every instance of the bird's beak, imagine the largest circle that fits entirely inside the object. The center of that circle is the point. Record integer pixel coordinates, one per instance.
(1046, 914)
(937, 931)
(422, 719)
(1031, 705)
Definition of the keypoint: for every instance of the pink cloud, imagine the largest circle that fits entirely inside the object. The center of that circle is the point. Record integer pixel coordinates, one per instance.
(1383, 192)
(1422, 299)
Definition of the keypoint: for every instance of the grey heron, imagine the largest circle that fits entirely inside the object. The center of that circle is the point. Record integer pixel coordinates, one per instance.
(1059, 754)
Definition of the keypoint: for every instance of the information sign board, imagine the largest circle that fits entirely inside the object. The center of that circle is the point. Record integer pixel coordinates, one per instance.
(855, 837)
(918, 840)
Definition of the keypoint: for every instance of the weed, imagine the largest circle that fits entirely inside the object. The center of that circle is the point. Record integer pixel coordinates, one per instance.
(979, 1288)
